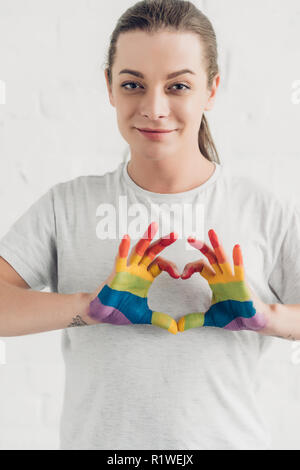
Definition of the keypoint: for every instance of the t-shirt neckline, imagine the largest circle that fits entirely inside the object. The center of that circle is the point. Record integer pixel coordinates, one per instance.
(173, 196)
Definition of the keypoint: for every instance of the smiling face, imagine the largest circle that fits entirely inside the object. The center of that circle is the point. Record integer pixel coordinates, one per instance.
(151, 98)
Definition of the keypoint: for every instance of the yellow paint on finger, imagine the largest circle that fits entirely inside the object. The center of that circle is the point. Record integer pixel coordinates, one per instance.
(155, 270)
(135, 258)
(141, 271)
(164, 321)
(146, 261)
(220, 278)
(121, 264)
(239, 273)
(226, 268)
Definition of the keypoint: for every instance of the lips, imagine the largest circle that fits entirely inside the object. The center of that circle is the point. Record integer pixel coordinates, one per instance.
(155, 131)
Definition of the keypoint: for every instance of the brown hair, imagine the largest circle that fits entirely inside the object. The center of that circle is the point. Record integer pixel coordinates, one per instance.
(179, 15)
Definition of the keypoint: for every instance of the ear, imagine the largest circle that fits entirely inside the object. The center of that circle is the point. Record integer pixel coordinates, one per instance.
(212, 93)
(111, 98)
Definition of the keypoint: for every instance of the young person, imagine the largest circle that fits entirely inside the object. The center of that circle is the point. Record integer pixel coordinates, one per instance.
(136, 386)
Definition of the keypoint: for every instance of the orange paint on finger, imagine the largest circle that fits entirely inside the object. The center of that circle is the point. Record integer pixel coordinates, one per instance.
(213, 238)
(124, 246)
(237, 256)
(146, 239)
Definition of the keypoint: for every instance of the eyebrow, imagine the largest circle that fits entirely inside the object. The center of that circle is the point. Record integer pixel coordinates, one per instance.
(171, 75)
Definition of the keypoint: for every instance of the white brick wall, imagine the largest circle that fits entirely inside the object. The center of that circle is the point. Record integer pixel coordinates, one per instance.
(56, 122)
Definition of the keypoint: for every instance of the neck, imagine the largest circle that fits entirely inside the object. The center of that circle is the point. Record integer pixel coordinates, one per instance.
(169, 176)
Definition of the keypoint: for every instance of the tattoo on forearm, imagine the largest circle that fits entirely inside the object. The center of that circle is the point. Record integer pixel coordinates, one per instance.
(291, 338)
(77, 321)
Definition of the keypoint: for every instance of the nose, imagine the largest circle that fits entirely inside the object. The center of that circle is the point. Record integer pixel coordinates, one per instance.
(154, 105)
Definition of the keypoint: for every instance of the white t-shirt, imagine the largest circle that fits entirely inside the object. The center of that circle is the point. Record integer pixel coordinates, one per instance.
(139, 386)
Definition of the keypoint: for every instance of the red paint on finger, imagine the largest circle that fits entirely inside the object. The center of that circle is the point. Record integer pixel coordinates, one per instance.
(220, 253)
(166, 266)
(198, 244)
(205, 249)
(151, 231)
(173, 272)
(168, 239)
(160, 244)
(141, 246)
(188, 272)
(209, 253)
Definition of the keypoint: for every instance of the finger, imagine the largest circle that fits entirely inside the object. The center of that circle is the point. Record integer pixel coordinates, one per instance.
(164, 321)
(139, 249)
(121, 258)
(206, 251)
(161, 264)
(220, 253)
(192, 320)
(238, 263)
(199, 266)
(157, 247)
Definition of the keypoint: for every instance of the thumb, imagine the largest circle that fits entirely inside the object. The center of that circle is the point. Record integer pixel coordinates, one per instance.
(191, 320)
(163, 320)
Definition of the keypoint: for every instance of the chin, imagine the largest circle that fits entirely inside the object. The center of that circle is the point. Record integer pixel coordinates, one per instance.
(158, 156)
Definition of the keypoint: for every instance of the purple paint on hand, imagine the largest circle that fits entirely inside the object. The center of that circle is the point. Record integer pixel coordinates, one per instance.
(106, 314)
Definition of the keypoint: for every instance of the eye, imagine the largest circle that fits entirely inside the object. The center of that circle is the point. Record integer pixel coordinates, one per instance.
(135, 83)
(182, 84)
(129, 83)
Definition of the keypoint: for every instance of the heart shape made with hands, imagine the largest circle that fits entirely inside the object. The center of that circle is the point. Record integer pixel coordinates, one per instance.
(122, 299)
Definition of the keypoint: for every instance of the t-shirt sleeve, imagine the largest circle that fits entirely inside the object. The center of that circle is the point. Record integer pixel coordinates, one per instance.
(30, 244)
(284, 279)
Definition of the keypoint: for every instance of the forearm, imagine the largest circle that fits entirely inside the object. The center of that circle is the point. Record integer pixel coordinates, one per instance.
(25, 311)
(283, 321)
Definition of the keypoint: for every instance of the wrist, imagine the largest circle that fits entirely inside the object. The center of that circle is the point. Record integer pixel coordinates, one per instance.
(271, 314)
(84, 300)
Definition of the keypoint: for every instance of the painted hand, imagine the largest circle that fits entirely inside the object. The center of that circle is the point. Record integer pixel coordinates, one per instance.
(122, 299)
(233, 306)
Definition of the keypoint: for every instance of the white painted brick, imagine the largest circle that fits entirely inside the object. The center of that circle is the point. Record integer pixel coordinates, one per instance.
(19, 409)
(29, 438)
(45, 8)
(28, 46)
(58, 123)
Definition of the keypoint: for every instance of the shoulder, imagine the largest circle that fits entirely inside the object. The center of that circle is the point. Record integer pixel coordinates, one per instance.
(85, 184)
(253, 195)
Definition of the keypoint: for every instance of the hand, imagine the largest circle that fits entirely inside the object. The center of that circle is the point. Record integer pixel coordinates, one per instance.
(234, 306)
(122, 299)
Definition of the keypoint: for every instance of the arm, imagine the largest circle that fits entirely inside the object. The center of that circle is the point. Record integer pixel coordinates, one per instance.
(123, 293)
(283, 322)
(25, 312)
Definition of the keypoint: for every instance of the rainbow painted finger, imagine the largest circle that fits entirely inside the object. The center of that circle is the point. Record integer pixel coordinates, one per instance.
(231, 306)
(123, 301)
